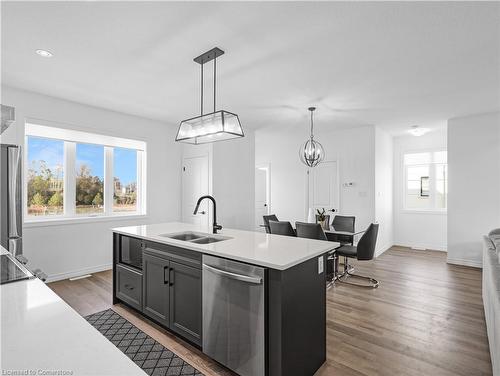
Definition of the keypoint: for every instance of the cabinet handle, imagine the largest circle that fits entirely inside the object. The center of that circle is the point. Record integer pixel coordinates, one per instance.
(172, 276)
(128, 287)
(165, 278)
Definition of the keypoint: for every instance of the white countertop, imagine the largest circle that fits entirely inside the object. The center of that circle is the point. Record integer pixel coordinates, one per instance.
(40, 333)
(272, 251)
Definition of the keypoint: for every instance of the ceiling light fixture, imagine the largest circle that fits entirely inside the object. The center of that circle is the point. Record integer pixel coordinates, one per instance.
(44, 53)
(311, 152)
(417, 131)
(214, 126)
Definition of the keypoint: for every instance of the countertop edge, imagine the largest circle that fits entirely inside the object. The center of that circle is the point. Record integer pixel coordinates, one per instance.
(199, 248)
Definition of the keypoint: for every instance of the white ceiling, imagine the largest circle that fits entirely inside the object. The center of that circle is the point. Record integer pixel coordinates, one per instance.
(392, 64)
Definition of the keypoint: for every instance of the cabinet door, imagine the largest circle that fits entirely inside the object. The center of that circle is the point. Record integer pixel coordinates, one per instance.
(185, 301)
(156, 288)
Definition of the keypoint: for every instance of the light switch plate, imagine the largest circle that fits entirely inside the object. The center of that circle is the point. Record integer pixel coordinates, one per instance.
(320, 265)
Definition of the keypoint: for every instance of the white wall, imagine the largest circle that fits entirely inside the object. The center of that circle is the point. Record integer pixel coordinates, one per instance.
(231, 179)
(417, 229)
(234, 181)
(353, 149)
(68, 250)
(384, 189)
(474, 185)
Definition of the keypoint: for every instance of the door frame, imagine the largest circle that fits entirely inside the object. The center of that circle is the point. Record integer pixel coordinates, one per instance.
(267, 168)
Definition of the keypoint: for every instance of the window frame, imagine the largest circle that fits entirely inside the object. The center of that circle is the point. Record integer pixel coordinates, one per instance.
(71, 138)
(432, 179)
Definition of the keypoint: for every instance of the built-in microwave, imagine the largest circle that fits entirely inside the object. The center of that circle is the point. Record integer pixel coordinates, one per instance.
(131, 251)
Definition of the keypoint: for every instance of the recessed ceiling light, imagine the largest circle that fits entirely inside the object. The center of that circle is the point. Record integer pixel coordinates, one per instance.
(417, 131)
(44, 53)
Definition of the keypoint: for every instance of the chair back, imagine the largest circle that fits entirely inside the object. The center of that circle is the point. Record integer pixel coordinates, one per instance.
(344, 223)
(268, 218)
(327, 220)
(366, 245)
(310, 231)
(281, 228)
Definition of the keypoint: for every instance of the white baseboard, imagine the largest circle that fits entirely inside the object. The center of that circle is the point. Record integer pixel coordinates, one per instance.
(79, 272)
(383, 248)
(462, 262)
(428, 247)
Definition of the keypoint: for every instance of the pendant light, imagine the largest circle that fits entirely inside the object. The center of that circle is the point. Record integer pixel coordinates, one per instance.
(214, 126)
(311, 152)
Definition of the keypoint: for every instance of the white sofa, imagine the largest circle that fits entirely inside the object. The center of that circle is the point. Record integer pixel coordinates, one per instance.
(491, 295)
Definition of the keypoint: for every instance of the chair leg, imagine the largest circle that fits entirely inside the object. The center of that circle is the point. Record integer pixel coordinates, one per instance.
(347, 273)
(331, 278)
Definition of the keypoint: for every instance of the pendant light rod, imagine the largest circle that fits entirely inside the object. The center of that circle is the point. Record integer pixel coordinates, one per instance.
(215, 83)
(210, 55)
(312, 109)
(201, 101)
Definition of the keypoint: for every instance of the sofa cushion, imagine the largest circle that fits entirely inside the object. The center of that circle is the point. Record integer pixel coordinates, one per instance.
(489, 242)
(495, 231)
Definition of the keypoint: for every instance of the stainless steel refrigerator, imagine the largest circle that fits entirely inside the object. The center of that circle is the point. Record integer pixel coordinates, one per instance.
(11, 199)
(11, 221)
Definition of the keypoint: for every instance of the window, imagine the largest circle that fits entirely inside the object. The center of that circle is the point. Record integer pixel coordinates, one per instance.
(73, 174)
(426, 181)
(124, 180)
(89, 175)
(45, 177)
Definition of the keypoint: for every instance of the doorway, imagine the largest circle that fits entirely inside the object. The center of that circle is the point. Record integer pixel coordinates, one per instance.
(195, 183)
(262, 194)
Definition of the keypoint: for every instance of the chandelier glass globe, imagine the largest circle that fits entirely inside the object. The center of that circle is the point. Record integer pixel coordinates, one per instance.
(311, 152)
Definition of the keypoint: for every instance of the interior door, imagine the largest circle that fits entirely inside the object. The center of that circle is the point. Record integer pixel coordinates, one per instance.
(261, 195)
(323, 186)
(195, 184)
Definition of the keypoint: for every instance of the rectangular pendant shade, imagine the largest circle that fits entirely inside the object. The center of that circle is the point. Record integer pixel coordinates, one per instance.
(216, 126)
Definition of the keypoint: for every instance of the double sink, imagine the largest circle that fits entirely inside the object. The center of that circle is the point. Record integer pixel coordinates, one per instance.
(196, 237)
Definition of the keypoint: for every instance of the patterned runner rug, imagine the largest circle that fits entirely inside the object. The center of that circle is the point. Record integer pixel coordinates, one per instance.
(151, 356)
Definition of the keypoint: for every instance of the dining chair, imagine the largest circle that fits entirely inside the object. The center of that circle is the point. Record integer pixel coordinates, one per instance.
(364, 250)
(267, 218)
(310, 231)
(343, 223)
(281, 228)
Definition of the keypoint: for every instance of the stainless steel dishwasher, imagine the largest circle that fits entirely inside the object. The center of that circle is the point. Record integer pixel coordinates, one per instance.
(233, 315)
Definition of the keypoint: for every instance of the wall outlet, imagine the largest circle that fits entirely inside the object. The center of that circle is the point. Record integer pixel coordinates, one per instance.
(321, 265)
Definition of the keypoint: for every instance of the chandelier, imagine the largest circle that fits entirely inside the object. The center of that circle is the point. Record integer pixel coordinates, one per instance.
(214, 126)
(311, 152)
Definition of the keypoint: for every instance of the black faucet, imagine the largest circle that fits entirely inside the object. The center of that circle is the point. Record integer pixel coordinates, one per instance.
(215, 226)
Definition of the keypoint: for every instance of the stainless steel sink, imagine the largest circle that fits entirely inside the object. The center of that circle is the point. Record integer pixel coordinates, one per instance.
(209, 239)
(185, 236)
(196, 237)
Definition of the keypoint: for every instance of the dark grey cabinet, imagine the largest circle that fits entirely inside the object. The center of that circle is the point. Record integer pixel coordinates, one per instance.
(129, 286)
(172, 292)
(156, 289)
(185, 301)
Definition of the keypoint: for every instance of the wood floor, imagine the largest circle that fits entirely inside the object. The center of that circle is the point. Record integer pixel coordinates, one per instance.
(426, 318)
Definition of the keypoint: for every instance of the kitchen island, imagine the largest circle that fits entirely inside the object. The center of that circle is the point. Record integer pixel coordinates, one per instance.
(255, 302)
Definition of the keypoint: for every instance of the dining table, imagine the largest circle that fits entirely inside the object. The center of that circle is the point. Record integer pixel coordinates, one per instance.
(347, 234)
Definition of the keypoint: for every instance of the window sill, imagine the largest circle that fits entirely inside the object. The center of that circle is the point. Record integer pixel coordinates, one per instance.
(420, 211)
(61, 221)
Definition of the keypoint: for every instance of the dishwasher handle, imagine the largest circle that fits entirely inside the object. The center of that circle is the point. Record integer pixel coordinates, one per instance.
(238, 277)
